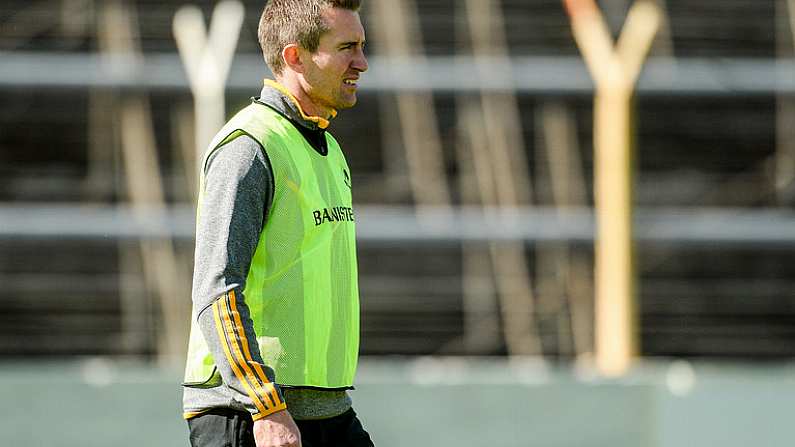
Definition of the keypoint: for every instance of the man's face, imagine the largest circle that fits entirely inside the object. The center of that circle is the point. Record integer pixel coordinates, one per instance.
(332, 72)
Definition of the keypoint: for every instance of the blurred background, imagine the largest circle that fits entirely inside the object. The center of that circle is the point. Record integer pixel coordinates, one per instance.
(472, 157)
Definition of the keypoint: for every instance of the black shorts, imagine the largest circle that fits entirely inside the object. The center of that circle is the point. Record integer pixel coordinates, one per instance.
(230, 428)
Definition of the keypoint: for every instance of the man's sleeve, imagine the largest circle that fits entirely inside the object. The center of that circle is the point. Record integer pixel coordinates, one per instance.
(238, 189)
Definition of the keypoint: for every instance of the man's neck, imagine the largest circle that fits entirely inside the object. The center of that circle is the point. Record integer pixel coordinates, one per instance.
(296, 88)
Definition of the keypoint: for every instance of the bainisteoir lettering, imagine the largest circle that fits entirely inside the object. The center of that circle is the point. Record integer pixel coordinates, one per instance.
(333, 214)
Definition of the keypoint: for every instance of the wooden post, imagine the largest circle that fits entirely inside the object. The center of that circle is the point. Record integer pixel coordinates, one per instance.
(615, 70)
(207, 57)
(566, 271)
(785, 107)
(491, 126)
(118, 37)
(394, 25)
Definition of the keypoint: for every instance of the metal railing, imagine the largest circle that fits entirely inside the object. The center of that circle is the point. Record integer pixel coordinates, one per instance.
(528, 74)
(769, 228)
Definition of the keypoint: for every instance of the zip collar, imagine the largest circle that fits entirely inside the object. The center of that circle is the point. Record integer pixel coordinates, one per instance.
(279, 98)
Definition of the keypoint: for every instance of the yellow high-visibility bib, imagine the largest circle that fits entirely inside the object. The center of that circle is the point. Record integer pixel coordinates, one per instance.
(302, 287)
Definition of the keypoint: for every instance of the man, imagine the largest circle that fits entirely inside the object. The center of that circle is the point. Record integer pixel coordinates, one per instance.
(275, 324)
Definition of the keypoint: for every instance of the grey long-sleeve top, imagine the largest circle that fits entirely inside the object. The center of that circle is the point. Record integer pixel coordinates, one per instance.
(238, 190)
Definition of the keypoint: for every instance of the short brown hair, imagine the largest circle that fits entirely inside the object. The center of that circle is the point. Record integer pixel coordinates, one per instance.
(294, 21)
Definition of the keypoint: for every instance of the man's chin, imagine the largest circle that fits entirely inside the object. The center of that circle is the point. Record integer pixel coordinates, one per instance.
(346, 103)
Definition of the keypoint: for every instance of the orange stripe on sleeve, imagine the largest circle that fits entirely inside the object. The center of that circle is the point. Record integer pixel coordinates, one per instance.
(232, 336)
(247, 352)
(220, 328)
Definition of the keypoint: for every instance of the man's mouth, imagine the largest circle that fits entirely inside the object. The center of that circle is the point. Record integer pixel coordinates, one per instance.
(351, 82)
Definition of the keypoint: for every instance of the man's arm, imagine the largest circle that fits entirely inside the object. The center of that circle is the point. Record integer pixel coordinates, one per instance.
(237, 193)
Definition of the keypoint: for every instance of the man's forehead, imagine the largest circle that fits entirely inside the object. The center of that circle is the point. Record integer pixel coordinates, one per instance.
(344, 25)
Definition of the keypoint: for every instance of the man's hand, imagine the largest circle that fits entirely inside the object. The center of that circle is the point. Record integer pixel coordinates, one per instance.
(277, 430)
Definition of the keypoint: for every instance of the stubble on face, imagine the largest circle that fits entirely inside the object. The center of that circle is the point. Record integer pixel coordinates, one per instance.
(333, 71)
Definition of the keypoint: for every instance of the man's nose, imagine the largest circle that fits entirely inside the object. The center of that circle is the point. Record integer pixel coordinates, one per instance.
(360, 61)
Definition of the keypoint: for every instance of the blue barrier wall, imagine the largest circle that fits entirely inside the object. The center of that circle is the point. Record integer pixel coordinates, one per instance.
(430, 402)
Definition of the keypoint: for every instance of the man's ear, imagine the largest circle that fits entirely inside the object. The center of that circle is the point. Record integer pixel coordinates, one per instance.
(292, 57)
